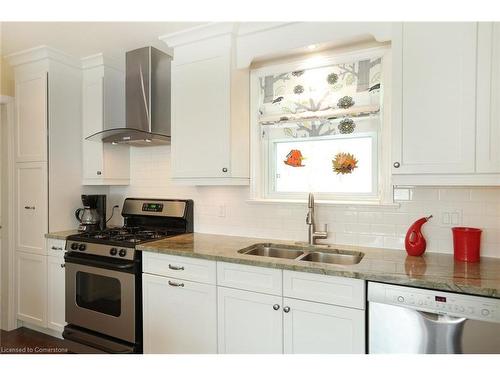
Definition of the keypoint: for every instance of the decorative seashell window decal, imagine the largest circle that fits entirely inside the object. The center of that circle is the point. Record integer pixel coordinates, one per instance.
(344, 163)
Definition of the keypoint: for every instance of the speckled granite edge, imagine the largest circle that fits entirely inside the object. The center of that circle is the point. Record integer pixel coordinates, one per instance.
(62, 235)
(395, 267)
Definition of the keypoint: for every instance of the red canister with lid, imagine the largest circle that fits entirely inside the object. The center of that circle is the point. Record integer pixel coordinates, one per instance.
(466, 243)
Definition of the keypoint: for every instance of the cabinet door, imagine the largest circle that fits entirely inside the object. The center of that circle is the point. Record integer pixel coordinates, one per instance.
(249, 323)
(317, 328)
(434, 98)
(488, 98)
(32, 288)
(93, 113)
(56, 293)
(31, 118)
(201, 118)
(31, 207)
(179, 316)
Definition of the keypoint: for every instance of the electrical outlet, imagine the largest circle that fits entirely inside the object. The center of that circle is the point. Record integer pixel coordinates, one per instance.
(450, 218)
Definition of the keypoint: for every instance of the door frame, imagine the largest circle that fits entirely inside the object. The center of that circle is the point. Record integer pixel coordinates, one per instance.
(9, 322)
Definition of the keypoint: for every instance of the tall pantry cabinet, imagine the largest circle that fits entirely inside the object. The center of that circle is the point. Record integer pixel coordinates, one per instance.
(47, 168)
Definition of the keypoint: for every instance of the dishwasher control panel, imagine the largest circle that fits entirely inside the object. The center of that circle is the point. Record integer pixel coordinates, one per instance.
(454, 304)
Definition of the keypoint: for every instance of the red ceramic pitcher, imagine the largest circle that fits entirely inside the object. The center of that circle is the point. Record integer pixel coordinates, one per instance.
(415, 243)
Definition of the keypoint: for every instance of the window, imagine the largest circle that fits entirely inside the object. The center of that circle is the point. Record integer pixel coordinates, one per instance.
(319, 127)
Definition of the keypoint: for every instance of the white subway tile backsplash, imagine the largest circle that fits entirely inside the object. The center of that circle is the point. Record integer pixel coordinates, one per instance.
(479, 207)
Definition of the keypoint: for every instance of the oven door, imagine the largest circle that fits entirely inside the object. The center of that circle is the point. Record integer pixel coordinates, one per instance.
(100, 296)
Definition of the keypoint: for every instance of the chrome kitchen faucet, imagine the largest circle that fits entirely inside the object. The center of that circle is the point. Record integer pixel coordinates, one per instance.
(313, 235)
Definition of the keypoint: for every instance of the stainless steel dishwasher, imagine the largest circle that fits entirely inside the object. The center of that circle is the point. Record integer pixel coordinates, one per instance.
(412, 320)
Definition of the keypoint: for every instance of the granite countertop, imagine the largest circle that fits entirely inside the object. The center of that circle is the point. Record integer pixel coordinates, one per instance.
(433, 271)
(62, 235)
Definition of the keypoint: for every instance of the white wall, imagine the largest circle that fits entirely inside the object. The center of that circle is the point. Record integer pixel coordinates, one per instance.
(375, 227)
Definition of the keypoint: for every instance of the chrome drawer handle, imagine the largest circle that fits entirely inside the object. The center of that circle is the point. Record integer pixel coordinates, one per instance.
(176, 268)
(171, 283)
(56, 248)
(29, 207)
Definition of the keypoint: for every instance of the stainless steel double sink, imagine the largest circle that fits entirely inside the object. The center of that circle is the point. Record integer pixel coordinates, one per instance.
(305, 253)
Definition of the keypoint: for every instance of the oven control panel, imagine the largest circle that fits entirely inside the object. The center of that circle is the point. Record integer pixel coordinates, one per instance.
(101, 250)
(152, 207)
(445, 303)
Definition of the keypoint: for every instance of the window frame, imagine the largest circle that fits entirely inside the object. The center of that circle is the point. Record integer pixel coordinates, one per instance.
(260, 186)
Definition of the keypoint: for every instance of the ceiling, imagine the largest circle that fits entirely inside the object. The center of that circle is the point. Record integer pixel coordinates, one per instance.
(81, 39)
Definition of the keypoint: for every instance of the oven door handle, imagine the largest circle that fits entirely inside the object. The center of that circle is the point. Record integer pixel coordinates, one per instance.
(98, 263)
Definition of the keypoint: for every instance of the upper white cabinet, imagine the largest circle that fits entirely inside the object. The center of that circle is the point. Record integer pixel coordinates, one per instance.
(488, 98)
(31, 117)
(103, 101)
(445, 122)
(434, 98)
(210, 134)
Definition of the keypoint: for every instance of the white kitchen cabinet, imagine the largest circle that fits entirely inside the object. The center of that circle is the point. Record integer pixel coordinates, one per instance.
(31, 282)
(249, 322)
(56, 293)
(434, 103)
(318, 328)
(179, 316)
(30, 134)
(30, 207)
(103, 107)
(488, 98)
(210, 124)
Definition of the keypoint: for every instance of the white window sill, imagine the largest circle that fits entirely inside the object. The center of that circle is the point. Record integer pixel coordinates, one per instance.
(360, 204)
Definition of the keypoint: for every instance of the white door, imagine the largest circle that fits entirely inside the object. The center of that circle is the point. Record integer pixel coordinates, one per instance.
(434, 98)
(179, 317)
(31, 118)
(249, 323)
(56, 293)
(32, 288)
(317, 328)
(488, 98)
(92, 122)
(31, 207)
(201, 118)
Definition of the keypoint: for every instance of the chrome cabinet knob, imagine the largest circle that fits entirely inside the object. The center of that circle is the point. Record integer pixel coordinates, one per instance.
(396, 165)
(276, 306)
(286, 309)
(224, 170)
(98, 173)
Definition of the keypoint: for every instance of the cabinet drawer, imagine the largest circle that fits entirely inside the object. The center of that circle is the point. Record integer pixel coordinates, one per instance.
(334, 290)
(256, 279)
(201, 270)
(55, 247)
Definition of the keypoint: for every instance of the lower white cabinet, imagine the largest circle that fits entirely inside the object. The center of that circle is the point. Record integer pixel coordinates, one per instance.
(179, 316)
(249, 323)
(56, 293)
(318, 328)
(32, 288)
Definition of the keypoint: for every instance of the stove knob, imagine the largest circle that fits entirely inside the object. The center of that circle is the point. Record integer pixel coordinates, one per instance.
(122, 252)
(74, 246)
(82, 247)
(113, 251)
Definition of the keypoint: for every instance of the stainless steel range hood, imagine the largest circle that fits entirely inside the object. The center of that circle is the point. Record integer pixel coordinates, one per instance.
(147, 90)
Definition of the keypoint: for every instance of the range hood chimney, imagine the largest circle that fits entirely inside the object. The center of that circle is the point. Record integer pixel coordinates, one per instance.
(147, 92)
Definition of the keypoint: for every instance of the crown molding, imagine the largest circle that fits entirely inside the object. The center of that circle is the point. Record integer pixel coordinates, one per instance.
(99, 59)
(198, 33)
(41, 53)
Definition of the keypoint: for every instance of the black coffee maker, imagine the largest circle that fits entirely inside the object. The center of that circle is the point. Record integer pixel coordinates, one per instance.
(92, 216)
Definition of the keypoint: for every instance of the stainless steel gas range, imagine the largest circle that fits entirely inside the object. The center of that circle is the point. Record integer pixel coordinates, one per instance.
(103, 276)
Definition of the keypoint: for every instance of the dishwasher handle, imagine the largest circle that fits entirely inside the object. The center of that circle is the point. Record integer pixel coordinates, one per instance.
(440, 318)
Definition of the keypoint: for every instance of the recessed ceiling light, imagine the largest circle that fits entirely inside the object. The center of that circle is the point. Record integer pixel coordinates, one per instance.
(312, 46)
